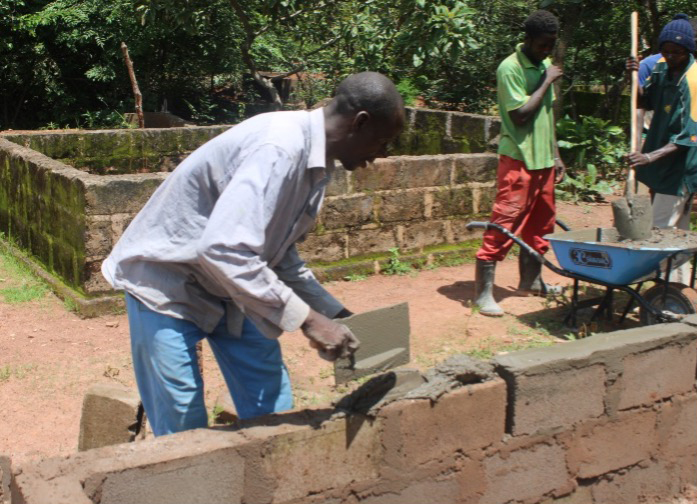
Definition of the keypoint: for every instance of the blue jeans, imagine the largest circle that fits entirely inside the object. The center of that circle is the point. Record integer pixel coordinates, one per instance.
(168, 377)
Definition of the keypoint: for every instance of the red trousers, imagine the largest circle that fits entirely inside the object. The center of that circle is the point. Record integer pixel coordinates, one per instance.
(524, 205)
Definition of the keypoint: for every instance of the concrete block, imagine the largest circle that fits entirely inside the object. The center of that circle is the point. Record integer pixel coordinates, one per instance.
(120, 193)
(311, 461)
(347, 211)
(98, 236)
(474, 168)
(30, 487)
(638, 484)
(677, 427)
(524, 474)
(110, 415)
(651, 376)
(582, 495)
(417, 431)
(439, 489)
(384, 336)
(401, 206)
(371, 241)
(339, 184)
(93, 280)
(600, 447)
(119, 223)
(5, 476)
(555, 399)
(484, 198)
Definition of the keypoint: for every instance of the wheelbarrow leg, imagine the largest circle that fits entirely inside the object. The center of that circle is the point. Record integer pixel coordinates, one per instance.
(570, 319)
(630, 303)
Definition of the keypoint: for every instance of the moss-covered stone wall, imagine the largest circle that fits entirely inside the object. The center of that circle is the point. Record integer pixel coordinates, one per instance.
(70, 217)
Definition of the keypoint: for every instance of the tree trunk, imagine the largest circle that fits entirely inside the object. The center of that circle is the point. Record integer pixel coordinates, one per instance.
(134, 84)
(569, 18)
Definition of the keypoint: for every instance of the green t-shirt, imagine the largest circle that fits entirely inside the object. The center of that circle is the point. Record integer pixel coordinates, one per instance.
(674, 102)
(533, 143)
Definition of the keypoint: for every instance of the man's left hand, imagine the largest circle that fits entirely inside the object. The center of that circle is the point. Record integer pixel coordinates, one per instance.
(559, 171)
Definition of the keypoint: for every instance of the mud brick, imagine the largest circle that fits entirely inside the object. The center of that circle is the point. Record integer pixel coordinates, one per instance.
(556, 399)
(452, 202)
(469, 418)
(384, 173)
(323, 247)
(475, 168)
(638, 484)
(348, 211)
(371, 241)
(526, 473)
(310, 461)
(651, 376)
(677, 427)
(401, 206)
(596, 444)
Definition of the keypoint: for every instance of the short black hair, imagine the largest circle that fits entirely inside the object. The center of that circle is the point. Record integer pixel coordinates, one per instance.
(541, 22)
(369, 91)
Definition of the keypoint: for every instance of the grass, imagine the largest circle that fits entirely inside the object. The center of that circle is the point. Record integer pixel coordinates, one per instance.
(19, 372)
(17, 284)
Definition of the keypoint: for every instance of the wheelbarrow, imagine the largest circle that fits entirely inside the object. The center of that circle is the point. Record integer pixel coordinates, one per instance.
(595, 257)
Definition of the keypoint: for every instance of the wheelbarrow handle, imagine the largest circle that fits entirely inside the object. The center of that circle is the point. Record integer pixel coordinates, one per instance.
(491, 225)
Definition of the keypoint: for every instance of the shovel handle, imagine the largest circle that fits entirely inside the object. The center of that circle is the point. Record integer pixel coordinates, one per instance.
(631, 177)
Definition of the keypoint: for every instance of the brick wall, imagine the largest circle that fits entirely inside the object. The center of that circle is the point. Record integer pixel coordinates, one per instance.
(608, 419)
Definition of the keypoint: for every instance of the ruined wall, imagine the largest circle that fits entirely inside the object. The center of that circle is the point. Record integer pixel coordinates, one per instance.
(605, 420)
(67, 197)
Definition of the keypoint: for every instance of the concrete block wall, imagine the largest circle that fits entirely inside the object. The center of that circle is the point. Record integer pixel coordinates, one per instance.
(608, 419)
(70, 217)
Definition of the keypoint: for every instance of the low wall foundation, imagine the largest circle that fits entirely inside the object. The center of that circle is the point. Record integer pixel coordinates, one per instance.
(606, 419)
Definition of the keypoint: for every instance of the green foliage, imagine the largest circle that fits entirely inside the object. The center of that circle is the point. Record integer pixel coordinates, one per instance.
(395, 266)
(593, 151)
(408, 91)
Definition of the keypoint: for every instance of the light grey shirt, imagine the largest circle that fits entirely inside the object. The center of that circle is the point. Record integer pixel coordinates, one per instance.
(219, 234)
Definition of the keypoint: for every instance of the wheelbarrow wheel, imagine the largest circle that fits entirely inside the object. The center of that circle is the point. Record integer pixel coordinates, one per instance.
(680, 300)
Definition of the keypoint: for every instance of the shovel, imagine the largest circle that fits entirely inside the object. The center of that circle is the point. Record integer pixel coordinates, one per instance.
(632, 214)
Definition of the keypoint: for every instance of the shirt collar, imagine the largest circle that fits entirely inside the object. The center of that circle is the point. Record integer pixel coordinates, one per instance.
(318, 141)
(524, 60)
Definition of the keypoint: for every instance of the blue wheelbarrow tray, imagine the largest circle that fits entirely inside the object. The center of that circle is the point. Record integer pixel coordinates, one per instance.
(579, 252)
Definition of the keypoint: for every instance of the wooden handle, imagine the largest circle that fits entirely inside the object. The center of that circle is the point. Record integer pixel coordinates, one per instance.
(633, 101)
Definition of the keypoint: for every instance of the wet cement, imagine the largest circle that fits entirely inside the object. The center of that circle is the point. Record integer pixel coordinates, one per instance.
(659, 239)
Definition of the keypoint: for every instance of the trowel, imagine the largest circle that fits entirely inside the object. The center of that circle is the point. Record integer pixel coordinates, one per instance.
(632, 214)
(384, 336)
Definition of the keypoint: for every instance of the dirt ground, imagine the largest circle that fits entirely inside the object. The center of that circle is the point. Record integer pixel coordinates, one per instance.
(49, 356)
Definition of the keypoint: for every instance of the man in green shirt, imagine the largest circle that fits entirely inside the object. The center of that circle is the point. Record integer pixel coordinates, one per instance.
(529, 162)
(668, 161)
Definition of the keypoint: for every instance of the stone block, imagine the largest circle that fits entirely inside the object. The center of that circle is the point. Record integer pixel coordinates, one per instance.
(119, 223)
(524, 474)
(347, 211)
(417, 431)
(323, 247)
(98, 235)
(651, 376)
(638, 484)
(423, 234)
(398, 206)
(5, 476)
(384, 173)
(110, 415)
(484, 198)
(455, 202)
(556, 399)
(339, 183)
(457, 232)
(371, 241)
(425, 171)
(93, 281)
(601, 447)
(310, 461)
(120, 193)
(677, 427)
(475, 168)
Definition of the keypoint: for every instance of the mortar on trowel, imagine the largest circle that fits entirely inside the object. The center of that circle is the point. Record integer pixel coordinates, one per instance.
(384, 337)
(632, 214)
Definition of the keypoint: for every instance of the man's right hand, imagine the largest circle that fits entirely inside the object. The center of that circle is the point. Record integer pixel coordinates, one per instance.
(631, 65)
(553, 73)
(332, 340)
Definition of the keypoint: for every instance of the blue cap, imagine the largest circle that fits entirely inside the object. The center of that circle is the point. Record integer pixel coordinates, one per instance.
(678, 31)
